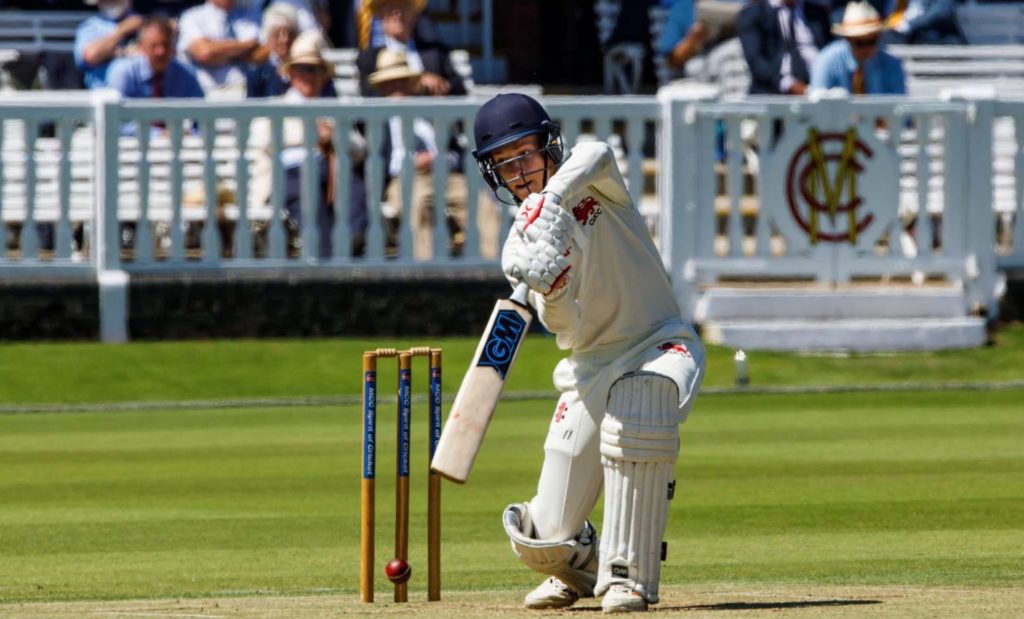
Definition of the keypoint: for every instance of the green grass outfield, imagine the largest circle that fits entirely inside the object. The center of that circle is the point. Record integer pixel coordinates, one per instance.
(777, 493)
(173, 371)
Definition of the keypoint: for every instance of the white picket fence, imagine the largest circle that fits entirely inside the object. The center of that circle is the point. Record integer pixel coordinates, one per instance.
(709, 169)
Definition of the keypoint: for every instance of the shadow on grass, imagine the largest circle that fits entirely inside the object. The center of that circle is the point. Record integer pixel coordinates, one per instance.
(750, 605)
(774, 605)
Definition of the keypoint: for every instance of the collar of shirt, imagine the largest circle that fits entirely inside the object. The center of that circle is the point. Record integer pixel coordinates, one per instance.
(114, 22)
(228, 18)
(851, 63)
(915, 9)
(412, 57)
(781, 4)
(293, 96)
(235, 13)
(145, 70)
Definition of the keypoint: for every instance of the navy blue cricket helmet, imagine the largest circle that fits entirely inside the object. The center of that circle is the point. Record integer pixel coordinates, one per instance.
(505, 119)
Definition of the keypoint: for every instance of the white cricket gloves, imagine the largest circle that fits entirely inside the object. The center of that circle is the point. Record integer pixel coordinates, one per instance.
(545, 251)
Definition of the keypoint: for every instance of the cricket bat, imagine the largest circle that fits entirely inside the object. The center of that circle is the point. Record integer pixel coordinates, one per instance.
(481, 388)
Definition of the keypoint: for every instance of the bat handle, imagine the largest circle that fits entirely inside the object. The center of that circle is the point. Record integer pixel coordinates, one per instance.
(519, 295)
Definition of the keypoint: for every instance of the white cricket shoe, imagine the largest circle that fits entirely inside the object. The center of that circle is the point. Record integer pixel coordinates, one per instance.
(622, 599)
(552, 593)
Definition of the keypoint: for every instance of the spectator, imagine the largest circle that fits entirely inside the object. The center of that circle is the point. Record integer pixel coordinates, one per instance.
(924, 22)
(395, 78)
(368, 33)
(406, 30)
(781, 39)
(308, 75)
(154, 73)
(219, 40)
(104, 37)
(280, 27)
(683, 36)
(856, 63)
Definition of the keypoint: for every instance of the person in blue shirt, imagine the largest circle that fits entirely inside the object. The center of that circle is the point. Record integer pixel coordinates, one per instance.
(103, 38)
(682, 37)
(923, 22)
(855, 62)
(154, 73)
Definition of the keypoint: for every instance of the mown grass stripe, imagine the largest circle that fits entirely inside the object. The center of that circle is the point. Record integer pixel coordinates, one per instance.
(520, 396)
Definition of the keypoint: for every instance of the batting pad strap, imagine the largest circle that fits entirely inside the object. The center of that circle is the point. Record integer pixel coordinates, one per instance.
(573, 561)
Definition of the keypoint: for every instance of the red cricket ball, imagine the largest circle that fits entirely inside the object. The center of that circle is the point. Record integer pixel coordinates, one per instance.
(397, 571)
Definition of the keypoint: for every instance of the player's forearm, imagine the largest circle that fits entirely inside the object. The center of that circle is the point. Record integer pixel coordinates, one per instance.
(205, 51)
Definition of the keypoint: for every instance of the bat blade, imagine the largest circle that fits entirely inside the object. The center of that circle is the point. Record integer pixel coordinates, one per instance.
(481, 388)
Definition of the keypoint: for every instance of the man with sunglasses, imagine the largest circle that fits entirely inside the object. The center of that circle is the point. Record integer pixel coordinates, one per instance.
(856, 62)
(634, 368)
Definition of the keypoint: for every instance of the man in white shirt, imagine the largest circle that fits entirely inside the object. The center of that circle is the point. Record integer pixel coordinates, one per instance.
(220, 40)
(634, 369)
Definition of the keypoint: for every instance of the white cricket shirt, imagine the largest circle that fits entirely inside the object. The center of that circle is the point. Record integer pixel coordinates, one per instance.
(618, 292)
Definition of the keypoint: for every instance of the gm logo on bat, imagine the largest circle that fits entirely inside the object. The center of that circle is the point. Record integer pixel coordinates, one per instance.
(502, 342)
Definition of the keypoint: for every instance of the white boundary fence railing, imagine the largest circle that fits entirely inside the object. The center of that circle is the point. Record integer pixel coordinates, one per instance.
(718, 198)
(749, 201)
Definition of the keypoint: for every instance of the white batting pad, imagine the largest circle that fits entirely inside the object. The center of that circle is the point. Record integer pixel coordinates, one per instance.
(573, 561)
(639, 448)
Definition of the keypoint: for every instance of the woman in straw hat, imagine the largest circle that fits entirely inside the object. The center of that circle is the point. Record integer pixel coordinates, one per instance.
(856, 62)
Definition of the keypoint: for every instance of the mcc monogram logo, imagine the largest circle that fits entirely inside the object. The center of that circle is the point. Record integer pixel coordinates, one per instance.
(821, 186)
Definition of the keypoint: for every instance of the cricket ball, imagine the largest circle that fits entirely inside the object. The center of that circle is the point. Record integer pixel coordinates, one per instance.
(397, 571)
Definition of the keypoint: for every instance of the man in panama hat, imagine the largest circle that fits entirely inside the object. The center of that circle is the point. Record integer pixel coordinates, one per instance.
(856, 61)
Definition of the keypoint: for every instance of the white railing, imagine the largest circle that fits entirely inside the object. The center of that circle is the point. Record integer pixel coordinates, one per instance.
(751, 200)
(1007, 188)
(126, 198)
(37, 175)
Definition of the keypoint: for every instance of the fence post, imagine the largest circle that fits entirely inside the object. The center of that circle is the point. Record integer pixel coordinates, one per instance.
(487, 40)
(112, 280)
(980, 283)
(678, 146)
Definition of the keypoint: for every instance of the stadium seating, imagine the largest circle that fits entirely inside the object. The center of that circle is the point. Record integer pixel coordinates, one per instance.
(40, 31)
(992, 24)
(933, 69)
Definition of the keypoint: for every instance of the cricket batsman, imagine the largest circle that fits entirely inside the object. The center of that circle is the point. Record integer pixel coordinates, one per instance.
(634, 368)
